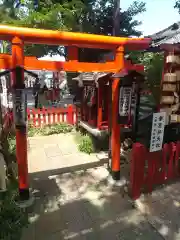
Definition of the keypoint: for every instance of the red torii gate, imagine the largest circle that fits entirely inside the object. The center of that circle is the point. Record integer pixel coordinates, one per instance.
(32, 63)
(18, 36)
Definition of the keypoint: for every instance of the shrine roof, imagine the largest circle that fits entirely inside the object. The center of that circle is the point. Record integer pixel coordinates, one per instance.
(170, 35)
(95, 76)
(90, 76)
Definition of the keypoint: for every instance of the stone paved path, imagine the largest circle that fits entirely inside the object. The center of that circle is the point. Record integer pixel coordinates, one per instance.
(79, 204)
(58, 154)
(163, 210)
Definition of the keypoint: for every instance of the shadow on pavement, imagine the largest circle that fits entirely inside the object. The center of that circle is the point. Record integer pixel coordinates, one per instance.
(164, 206)
(81, 205)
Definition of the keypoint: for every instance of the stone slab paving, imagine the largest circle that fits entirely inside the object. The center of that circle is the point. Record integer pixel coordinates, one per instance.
(56, 152)
(82, 206)
(164, 210)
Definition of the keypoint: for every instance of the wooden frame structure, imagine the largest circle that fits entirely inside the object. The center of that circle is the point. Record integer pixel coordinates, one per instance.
(94, 93)
(19, 36)
(94, 117)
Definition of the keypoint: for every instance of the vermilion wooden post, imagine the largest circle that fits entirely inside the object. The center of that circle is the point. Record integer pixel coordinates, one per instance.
(151, 173)
(21, 136)
(49, 116)
(177, 158)
(165, 153)
(77, 115)
(58, 115)
(115, 126)
(53, 115)
(106, 103)
(115, 132)
(158, 162)
(70, 114)
(44, 116)
(34, 112)
(172, 150)
(99, 105)
(39, 118)
(137, 168)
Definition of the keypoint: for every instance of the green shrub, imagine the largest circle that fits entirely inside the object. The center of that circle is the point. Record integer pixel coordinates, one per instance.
(49, 129)
(12, 144)
(58, 128)
(86, 144)
(32, 131)
(77, 137)
(12, 218)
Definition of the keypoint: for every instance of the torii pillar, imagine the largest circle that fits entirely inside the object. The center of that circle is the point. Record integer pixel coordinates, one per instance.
(21, 130)
(115, 126)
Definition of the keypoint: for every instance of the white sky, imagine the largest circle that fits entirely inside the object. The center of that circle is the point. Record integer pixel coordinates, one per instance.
(159, 15)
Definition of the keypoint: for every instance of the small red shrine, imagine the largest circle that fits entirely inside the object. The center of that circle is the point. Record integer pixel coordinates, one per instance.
(93, 99)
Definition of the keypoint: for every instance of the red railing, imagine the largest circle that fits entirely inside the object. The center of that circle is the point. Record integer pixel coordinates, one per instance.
(40, 117)
(149, 169)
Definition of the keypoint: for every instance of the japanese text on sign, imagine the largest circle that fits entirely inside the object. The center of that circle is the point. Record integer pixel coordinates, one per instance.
(157, 133)
(124, 101)
(20, 104)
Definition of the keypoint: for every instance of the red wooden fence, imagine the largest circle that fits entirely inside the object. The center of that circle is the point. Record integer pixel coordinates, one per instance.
(40, 117)
(149, 169)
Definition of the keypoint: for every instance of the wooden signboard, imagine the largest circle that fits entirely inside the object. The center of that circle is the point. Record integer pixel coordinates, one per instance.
(157, 133)
(20, 107)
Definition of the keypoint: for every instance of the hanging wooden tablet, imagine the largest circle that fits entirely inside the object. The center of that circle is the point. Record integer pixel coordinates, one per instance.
(167, 99)
(178, 75)
(173, 59)
(169, 87)
(170, 77)
(173, 118)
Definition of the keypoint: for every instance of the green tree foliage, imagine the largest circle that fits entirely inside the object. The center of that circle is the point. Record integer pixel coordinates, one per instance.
(98, 19)
(7, 11)
(177, 5)
(57, 15)
(90, 16)
(153, 63)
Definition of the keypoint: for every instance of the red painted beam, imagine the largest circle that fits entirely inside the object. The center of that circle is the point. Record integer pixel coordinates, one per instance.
(32, 63)
(41, 36)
